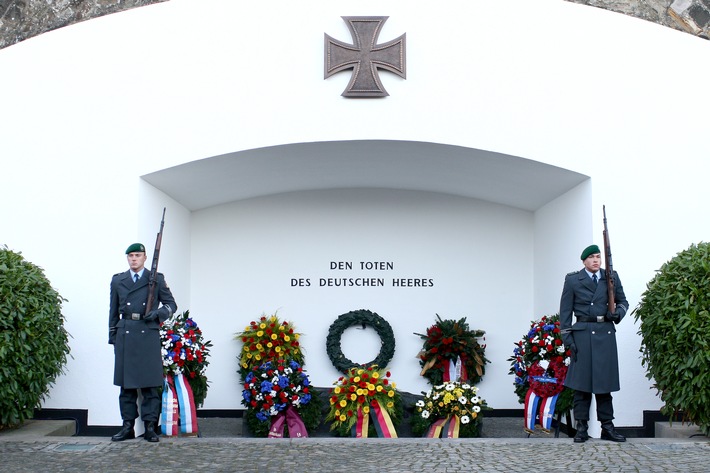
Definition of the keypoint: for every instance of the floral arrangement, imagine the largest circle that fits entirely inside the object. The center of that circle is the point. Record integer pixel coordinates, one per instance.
(446, 401)
(268, 339)
(538, 358)
(273, 386)
(185, 351)
(358, 390)
(448, 341)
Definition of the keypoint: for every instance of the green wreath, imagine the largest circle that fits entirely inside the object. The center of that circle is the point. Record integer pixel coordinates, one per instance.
(359, 317)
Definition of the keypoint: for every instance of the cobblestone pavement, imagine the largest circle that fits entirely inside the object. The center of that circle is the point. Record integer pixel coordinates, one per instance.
(93, 454)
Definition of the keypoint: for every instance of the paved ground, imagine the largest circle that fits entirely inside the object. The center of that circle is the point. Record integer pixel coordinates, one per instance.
(90, 454)
(235, 453)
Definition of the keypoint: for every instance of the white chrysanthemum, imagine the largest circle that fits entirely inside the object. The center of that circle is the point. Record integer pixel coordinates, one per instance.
(476, 409)
(435, 396)
(465, 419)
(264, 375)
(463, 400)
(425, 414)
(450, 387)
(560, 349)
(420, 403)
(466, 386)
(288, 371)
(567, 361)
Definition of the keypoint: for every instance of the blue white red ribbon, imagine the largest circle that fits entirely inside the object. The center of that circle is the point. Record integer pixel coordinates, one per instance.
(547, 411)
(170, 413)
(535, 406)
(188, 413)
(179, 414)
(532, 402)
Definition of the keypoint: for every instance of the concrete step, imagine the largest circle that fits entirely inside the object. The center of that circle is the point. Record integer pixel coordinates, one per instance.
(42, 428)
(678, 430)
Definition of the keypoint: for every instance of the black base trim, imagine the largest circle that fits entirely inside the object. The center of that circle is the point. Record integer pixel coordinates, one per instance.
(80, 416)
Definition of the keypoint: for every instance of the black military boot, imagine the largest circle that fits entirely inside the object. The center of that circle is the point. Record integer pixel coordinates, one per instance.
(150, 434)
(581, 435)
(126, 433)
(610, 433)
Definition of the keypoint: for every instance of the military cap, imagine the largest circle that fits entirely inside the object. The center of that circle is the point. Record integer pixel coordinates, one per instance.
(590, 250)
(135, 248)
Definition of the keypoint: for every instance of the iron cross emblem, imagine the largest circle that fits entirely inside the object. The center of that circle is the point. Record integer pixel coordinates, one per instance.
(365, 56)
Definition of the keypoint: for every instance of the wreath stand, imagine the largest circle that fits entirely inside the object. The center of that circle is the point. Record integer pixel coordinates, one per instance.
(568, 419)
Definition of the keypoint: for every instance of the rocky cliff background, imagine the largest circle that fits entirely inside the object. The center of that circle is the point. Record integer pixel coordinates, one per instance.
(23, 19)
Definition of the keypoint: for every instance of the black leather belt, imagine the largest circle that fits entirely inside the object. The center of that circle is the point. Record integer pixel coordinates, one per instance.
(584, 318)
(133, 316)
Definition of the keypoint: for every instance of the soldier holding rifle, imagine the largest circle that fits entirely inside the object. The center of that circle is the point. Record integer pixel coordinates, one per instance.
(140, 301)
(592, 303)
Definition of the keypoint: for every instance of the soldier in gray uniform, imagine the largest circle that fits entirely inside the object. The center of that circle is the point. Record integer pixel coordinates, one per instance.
(589, 331)
(135, 336)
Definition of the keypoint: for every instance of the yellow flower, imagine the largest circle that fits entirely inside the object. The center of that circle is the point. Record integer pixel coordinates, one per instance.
(296, 336)
(360, 371)
(249, 355)
(278, 349)
(361, 392)
(375, 375)
(356, 379)
(274, 336)
(287, 338)
(261, 326)
(371, 387)
(394, 385)
(337, 390)
(379, 388)
(282, 328)
(245, 365)
(343, 403)
(342, 418)
(390, 405)
(337, 412)
(259, 347)
(246, 348)
(353, 396)
(366, 410)
(260, 333)
(391, 393)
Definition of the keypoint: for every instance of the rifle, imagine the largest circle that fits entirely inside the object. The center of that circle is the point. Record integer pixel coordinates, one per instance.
(609, 266)
(154, 267)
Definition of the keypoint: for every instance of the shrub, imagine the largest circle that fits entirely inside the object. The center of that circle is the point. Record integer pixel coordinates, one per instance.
(33, 342)
(675, 329)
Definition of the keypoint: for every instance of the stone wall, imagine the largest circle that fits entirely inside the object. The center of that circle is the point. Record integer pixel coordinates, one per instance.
(22, 19)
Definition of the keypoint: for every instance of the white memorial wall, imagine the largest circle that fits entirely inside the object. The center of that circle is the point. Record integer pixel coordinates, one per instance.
(483, 173)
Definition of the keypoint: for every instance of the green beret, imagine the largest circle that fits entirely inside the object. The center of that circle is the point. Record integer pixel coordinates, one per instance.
(590, 250)
(135, 248)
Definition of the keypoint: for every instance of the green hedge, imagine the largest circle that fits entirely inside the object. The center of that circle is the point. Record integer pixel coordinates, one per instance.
(675, 327)
(33, 342)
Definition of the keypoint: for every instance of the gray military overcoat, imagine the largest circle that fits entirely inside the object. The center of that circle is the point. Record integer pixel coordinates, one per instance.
(137, 362)
(596, 369)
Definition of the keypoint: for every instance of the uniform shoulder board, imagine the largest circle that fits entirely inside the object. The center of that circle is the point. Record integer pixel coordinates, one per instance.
(117, 274)
(572, 273)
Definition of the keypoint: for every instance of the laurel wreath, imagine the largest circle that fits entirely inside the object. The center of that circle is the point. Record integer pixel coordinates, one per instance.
(364, 318)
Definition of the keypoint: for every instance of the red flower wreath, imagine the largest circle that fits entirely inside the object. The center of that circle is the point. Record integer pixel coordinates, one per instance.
(550, 381)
